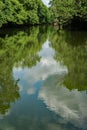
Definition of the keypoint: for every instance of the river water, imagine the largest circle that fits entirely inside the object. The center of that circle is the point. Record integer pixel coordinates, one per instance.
(43, 79)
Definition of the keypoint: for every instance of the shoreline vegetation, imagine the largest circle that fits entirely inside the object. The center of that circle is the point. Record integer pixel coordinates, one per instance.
(63, 14)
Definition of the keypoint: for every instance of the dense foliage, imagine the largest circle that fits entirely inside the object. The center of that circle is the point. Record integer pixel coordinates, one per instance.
(66, 11)
(23, 12)
(63, 12)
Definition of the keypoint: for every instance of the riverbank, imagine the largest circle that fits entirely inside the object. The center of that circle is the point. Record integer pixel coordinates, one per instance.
(74, 25)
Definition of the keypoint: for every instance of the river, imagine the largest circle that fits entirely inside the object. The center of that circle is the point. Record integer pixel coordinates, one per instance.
(43, 79)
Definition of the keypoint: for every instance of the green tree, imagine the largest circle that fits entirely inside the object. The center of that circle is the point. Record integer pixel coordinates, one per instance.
(23, 12)
(64, 11)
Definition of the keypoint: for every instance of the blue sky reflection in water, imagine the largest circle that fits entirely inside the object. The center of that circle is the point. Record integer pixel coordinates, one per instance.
(45, 103)
(39, 82)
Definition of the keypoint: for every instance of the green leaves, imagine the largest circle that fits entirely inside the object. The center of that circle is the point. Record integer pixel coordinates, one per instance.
(66, 10)
(23, 12)
(62, 10)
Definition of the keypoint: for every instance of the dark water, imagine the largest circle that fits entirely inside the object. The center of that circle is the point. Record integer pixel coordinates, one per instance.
(43, 79)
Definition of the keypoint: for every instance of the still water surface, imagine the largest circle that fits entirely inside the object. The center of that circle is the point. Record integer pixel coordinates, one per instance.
(43, 79)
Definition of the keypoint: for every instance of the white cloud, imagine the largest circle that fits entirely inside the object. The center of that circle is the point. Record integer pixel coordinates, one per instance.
(46, 2)
(47, 66)
(71, 106)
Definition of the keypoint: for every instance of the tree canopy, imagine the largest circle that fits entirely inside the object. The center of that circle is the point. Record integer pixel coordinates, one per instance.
(32, 12)
(23, 12)
(66, 11)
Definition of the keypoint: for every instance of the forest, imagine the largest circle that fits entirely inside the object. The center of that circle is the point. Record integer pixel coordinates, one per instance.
(23, 12)
(34, 12)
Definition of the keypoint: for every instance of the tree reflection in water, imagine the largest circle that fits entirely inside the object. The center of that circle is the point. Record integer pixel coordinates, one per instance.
(20, 49)
(53, 77)
(71, 50)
